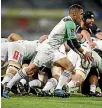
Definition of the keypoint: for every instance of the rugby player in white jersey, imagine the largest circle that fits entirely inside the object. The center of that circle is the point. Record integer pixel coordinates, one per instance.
(63, 31)
(56, 70)
(82, 69)
(4, 44)
(16, 53)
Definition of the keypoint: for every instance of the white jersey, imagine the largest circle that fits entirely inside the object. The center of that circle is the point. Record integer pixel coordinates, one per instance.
(4, 40)
(57, 36)
(95, 40)
(4, 51)
(98, 44)
(22, 50)
(55, 39)
(85, 66)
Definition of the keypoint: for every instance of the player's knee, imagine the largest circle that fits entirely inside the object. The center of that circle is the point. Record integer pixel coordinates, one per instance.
(56, 72)
(30, 69)
(78, 78)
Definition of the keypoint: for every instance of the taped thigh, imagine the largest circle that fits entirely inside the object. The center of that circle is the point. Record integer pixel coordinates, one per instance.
(12, 69)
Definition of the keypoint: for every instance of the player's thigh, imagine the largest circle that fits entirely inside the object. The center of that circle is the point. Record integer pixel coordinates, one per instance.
(65, 63)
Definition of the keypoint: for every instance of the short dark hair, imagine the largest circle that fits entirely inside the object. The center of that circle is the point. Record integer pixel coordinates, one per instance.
(75, 6)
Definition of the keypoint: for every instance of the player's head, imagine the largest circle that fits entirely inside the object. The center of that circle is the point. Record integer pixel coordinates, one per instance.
(88, 18)
(75, 11)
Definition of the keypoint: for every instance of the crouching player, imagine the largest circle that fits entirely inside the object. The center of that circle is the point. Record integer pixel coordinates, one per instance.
(82, 69)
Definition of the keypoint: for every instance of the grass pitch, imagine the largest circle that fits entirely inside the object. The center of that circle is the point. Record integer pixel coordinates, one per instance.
(75, 101)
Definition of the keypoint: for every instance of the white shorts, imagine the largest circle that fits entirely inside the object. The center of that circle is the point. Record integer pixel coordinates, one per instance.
(99, 44)
(73, 57)
(59, 54)
(15, 52)
(45, 54)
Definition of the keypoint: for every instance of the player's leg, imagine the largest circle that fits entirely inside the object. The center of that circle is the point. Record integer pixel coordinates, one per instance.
(15, 58)
(32, 68)
(76, 80)
(14, 61)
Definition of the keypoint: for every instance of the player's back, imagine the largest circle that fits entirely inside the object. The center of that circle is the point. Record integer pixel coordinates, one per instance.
(30, 47)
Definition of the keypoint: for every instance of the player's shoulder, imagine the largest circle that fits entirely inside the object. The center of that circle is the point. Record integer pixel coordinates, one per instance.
(67, 18)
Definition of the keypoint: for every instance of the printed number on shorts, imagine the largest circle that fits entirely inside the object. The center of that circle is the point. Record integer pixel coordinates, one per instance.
(16, 55)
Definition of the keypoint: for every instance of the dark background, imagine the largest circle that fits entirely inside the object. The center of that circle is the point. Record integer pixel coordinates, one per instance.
(33, 18)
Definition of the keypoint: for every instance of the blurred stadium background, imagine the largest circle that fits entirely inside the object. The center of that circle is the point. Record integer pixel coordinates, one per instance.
(33, 18)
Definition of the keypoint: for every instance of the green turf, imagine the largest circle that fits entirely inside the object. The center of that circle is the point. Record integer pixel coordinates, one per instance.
(78, 101)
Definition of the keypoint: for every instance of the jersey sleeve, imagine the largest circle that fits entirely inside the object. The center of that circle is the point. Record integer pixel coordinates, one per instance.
(70, 30)
(71, 34)
(78, 29)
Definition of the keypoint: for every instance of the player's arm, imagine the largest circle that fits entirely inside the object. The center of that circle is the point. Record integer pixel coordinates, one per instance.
(99, 35)
(72, 39)
(86, 35)
(14, 37)
(67, 48)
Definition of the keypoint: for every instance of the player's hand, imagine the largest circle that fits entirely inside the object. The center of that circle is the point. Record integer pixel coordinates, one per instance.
(88, 56)
(92, 44)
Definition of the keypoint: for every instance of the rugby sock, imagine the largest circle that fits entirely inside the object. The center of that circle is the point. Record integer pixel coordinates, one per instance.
(52, 83)
(71, 84)
(93, 88)
(23, 81)
(63, 79)
(7, 78)
(19, 75)
(35, 83)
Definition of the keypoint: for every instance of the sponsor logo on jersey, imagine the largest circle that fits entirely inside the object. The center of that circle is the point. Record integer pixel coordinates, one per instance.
(72, 32)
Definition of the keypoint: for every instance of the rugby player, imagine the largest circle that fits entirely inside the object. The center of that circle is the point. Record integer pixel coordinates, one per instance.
(63, 31)
(89, 31)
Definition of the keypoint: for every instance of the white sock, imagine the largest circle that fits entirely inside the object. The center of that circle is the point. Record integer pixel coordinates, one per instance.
(23, 81)
(71, 84)
(63, 79)
(7, 78)
(19, 75)
(50, 84)
(35, 83)
(93, 88)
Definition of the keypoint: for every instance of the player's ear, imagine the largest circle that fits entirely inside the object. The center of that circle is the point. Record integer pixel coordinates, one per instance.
(74, 14)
